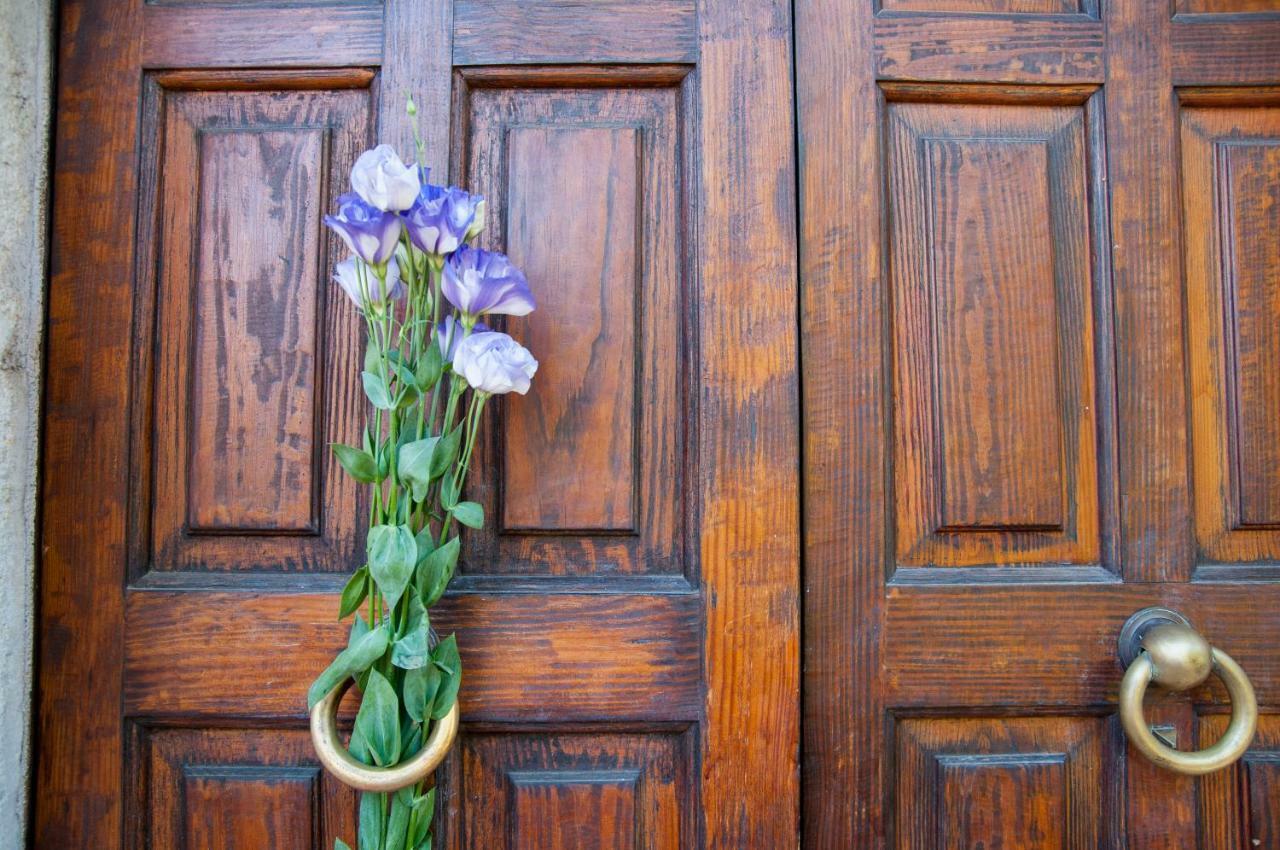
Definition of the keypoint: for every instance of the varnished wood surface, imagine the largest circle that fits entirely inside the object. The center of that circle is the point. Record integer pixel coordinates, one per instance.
(557, 658)
(949, 400)
(629, 625)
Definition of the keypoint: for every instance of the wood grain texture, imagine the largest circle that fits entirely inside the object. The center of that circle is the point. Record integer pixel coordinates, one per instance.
(567, 791)
(847, 442)
(78, 737)
(1225, 7)
(939, 631)
(1231, 214)
(291, 34)
(1024, 782)
(570, 451)
(979, 49)
(995, 409)
(985, 7)
(588, 475)
(235, 408)
(528, 657)
(1150, 359)
(1231, 51)
(504, 32)
(1238, 805)
(236, 789)
(748, 439)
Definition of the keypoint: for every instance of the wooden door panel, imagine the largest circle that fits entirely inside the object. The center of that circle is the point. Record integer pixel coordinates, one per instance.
(1035, 372)
(240, 333)
(1231, 214)
(239, 789)
(588, 478)
(1030, 782)
(996, 413)
(578, 792)
(1238, 805)
(628, 621)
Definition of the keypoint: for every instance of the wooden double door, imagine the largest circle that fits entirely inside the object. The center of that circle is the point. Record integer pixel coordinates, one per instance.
(990, 288)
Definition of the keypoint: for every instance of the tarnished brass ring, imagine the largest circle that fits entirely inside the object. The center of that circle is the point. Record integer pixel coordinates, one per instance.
(335, 758)
(1228, 748)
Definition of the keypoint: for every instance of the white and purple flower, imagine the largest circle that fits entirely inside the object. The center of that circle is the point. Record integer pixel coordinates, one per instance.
(441, 218)
(369, 232)
(382, 180)
(493, 363)
(479, 282)
(450, 332)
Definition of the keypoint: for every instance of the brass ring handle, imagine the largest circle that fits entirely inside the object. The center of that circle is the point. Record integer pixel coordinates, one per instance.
(335, 758)
(1176, 657)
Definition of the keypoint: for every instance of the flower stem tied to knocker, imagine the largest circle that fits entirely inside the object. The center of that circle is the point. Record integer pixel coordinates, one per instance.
(430, 365)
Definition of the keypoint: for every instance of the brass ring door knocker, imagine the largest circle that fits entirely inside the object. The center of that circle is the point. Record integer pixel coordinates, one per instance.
(335, 758)
(1160, 646)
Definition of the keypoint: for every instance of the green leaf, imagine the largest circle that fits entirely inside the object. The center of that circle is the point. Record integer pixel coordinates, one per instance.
(372, 358)
(359, 465)
(376, 389)
(371, 808)
(414, 465)
(398, 823)
(356, 589)
(339, 844)
(424, 809)
(420, 687)
(412, 650)
(392, 555)
(426, 544)
(357, 657)
(446, 452)
(449, 492)
(469, 514)
(379, 719)
(436, 570)
(359, 748)
(412, 743)
(430, 368)
(445, 656)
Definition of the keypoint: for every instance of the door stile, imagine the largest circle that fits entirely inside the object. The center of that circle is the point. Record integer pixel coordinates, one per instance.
(843, 305)
(79, 739)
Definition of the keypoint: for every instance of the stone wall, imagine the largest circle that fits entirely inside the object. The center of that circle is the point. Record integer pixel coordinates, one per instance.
(25, 80)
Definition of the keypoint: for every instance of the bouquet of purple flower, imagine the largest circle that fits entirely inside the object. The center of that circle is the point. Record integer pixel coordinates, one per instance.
(429, 368)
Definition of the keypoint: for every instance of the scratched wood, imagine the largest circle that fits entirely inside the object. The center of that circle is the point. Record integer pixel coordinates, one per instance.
(629, 620)
(1070, 452)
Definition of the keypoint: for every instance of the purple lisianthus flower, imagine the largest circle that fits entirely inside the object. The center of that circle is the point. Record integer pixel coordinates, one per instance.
(348, 275)
(442, 218)
(494, 363)
(383, 181)
(478, 282)
(450, 332)
(369, 232)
